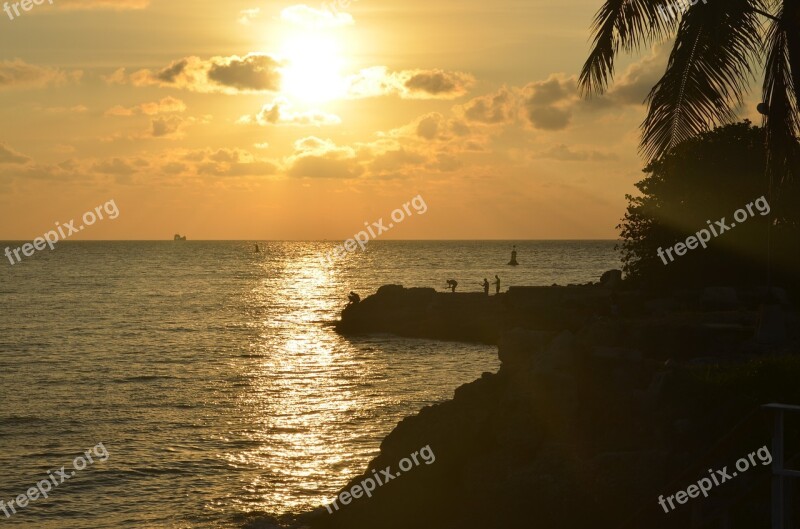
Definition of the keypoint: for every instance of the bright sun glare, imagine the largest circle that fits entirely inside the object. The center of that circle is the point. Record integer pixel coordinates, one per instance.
(312, 73)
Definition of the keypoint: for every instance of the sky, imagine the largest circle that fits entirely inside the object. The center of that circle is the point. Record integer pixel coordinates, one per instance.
(279, 121)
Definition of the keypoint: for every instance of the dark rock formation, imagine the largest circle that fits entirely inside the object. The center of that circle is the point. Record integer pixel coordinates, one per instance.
(425, 313)
(584, 425)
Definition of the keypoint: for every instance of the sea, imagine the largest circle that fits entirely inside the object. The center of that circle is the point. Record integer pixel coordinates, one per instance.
(212, 378)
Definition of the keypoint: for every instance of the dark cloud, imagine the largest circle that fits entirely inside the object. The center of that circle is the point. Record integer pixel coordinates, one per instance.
(549, 118)
(548, 104)
(435, 83)
(170, 73)
(491, 108)
(408, 84)
(253, 72)
(429, 126)
(166, 126)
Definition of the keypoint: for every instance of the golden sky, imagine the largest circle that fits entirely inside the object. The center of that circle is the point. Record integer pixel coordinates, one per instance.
(241, 119)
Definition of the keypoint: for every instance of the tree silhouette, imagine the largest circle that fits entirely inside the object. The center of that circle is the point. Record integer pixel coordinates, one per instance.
(718, 45)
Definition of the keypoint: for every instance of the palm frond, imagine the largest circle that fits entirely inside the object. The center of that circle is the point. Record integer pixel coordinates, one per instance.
(707, 74)
(781, 92)
(626, 24)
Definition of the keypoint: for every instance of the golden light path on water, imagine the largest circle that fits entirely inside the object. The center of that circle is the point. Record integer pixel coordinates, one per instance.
(309, 391)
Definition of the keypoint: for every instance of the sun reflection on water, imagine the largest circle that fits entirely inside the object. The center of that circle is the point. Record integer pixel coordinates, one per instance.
(302, 389)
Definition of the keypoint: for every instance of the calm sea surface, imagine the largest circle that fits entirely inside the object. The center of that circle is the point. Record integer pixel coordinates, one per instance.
(210, 377)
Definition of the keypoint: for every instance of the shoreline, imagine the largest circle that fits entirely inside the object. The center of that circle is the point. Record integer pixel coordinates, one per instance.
(577, 364)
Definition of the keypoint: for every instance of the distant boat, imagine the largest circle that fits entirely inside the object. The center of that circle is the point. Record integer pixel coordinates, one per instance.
(179, 238)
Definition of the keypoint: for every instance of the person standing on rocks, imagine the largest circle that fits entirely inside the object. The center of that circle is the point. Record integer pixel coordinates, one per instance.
(485, 286)
(496, 284)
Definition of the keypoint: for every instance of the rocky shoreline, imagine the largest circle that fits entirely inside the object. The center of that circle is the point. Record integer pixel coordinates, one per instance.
(606, 397)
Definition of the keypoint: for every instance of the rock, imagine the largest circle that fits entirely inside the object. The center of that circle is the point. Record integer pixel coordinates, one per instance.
(389, 290)
(611, 278)
(559, 356)
(518, 346)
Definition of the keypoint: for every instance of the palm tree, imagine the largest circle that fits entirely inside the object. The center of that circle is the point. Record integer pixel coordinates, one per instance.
(718, 45)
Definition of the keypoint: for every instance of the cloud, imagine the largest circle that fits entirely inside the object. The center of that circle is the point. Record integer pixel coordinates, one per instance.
(567, 154)
(437, 82)
(253, 73)
(166, 105)
(238, 169)
(18, 74)
(549, 118)
(279, 113)
(549, 104)
(248, 15)
(317, 158)
(10, 156)
(408, 84)
(639, 78)
(311, 18)
(222, 162)
(429, 126)
(435, 126)
(446, 163)
(391, 162)
(114, 167)
(117, 77)
(169, 126)
(499, 107)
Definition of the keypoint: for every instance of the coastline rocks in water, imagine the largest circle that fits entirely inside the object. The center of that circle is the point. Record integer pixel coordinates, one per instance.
(425, 313)
(473, 316)
(560, 436)
(518, 346)
(611, 279)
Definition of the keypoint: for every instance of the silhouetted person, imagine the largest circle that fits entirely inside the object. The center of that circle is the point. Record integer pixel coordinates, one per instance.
(257, 250)
(452, 283)
(485, 286)
(354, 298)
(513, 261)
(497, 285)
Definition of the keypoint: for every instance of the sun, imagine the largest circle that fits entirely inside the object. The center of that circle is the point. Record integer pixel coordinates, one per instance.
(312, 71)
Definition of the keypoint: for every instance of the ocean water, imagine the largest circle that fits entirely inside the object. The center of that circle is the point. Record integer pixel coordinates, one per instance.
(211, 377)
